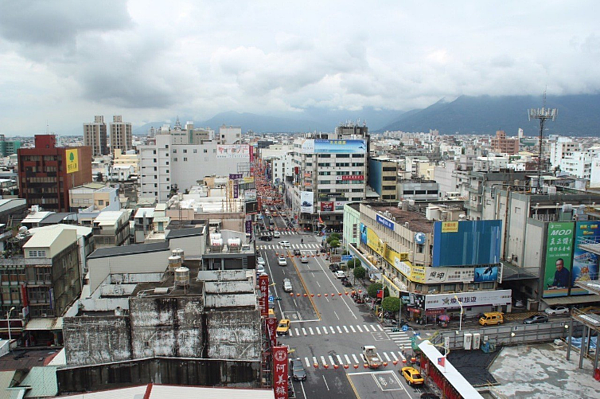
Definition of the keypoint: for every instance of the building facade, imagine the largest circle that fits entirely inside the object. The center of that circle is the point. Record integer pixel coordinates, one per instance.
(383, 177)
(48, 172)
(505, 145)
(95, 136)
(120, 134)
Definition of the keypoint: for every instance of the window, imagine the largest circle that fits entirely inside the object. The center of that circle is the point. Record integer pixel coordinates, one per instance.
(100, 202)
(184, 159)
(185, 151)
(195, 151)
(174, 151)
(154, 152)
(205, 151)
(174, 159)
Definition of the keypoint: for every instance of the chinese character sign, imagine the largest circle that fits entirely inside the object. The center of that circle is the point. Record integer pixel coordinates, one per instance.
(72, 160)
(263, 286)
(272, 330)
(559, 253)
(280, 372)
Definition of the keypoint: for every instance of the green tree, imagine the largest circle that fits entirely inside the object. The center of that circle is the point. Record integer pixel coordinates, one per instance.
(359, 272)
(334, 243)
(352, 263)
(372, 290)
(391, 304)
(333, 237)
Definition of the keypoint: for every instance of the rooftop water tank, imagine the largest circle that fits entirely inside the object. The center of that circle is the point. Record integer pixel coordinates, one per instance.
(179, 252)
(174, 263)
(182, 277)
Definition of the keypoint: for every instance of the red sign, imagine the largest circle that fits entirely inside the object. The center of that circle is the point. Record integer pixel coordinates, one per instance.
(272, 330)
(263, 298)
(280, 372)
(353, 177)
(326, 206)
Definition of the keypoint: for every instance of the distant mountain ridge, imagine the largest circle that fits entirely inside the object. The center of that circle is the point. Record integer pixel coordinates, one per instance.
(578, 115)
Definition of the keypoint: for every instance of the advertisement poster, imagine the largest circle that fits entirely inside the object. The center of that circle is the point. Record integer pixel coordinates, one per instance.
(263, 300)
(478, 298)
(326, 206)
(375, 243)
(466, 243)
(72, 160)
(486, 274)
(306, 201)
(363, 234)
(233, 151)
(280, 372)
(585, 264)
(334, 147)
(559, 252)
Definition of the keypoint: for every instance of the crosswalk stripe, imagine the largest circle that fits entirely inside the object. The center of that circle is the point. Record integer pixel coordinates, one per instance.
(339, 358)
(347, 359)
(315, 360)
(323, 360)
(297, 331)
(394, 356)
(359, 329)
(373, 327)
(346, 329)
(304, 330)
(325, 330)
(332, 330)
(331, 361)
(290, 333)
(380, 328)
(355, 358)
(307, 362)
(387, 357)
(318, 331)
(401, 355)
(366, 328)
(352, 328)
(311, 331)
(339, 329)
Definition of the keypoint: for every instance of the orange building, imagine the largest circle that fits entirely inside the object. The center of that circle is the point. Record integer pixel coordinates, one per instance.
(505, 145)
(47, 172)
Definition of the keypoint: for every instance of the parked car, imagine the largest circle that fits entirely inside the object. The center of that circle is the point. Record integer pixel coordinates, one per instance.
(285, 244)
(265, 238)
(281, 261)
(334, 267)
(261, 261)
(538, 318)
(287, 285)
(260, 269)
(298, 372)
(296, 252)
(284, 327)
(346, 282)
(557, 310)
(412, 376)
(340, 274)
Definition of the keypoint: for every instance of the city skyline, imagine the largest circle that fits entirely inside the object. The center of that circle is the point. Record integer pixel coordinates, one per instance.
(149, 62)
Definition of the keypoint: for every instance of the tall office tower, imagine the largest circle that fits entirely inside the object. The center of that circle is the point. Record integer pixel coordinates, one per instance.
(95, 136)
(120, 134)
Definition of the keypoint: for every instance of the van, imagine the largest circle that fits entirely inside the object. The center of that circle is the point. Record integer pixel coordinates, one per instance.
(491, 319)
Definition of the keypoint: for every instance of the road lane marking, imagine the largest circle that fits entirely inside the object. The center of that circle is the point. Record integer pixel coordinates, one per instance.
(373, 327)
(352, 328)
(323, 361)
(325, 330)
(355, 359)
(401, 355)
(304, 330)
(331, 361)
(387, 357)
(380, 328)
(336, 315)
(311, 331)
(318, 331)
(346, 329)
(394, 356)
(339, 329)
(366, 328)
(327, 386)
(315, 360)
(307, 362)
(359, 329)
(297, 331)
(332, 330)
(339, 358)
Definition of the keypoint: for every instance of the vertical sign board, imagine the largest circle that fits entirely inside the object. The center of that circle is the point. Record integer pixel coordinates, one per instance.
(272, 330)
(559, 252)
(263, 286)
(280, 372)
(72, 160)
(585, 264)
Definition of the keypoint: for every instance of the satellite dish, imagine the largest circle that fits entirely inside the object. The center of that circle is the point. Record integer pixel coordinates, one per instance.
(22, 229)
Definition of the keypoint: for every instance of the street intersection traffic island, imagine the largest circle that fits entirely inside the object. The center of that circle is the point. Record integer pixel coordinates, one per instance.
(292, 315)
(385, 380)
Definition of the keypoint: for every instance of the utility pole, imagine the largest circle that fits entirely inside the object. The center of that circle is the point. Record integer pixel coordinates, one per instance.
(543, 114)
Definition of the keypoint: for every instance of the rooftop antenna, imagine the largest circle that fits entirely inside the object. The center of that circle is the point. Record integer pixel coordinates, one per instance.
(542, 114)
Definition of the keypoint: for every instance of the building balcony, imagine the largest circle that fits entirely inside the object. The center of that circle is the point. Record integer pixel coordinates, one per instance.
(473, 207)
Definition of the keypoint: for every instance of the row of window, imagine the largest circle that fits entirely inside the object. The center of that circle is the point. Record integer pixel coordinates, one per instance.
(37, 254)
(195, 151)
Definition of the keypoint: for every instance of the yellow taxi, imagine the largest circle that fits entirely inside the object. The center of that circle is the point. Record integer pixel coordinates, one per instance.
(412, 376)
(284, 327)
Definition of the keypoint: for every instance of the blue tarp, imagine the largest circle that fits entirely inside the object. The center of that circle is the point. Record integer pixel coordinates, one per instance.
(576, 342)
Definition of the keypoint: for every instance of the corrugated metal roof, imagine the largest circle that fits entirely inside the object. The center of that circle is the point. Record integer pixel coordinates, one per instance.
(193, 231)
(6, 378)
(129, 250)
(42, 381)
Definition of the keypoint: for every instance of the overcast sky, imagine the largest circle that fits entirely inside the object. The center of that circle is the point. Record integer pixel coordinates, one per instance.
(62, 62)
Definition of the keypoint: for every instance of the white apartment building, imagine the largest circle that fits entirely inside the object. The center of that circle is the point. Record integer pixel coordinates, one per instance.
(165, 165)
(230, 134)
(280, 156)
(595, 173)
(563, 147)
(579, 165)
(331, 171)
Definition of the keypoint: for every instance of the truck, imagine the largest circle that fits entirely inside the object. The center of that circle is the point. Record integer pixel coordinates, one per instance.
(304, 255)
(371, 356)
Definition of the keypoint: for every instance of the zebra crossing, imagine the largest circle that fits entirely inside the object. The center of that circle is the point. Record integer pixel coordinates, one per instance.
(350, 359)
(331, 330)
(401, 338)
(292, 246)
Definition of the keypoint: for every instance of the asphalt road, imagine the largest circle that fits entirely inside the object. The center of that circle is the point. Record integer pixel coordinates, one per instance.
(328, 329)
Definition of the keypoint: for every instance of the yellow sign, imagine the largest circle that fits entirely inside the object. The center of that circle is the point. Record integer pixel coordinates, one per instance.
(401, 263)
(449, 227)
(72, 161)
(375, 243)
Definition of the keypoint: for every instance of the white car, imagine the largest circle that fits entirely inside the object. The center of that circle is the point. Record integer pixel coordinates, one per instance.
(340, 274)
(285, 244)
(276, 234)
(281, 261)
(557, 310)
(261, 261)
(287, 285)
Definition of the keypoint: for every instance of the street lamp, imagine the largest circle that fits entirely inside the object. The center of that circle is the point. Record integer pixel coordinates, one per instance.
(461, 313)
(8, 323)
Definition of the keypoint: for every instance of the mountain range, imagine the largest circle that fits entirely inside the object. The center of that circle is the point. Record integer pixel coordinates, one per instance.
(577, 116)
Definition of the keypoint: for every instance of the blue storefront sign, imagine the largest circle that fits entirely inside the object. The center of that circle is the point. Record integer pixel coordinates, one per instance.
(346, 258)
(384, 221)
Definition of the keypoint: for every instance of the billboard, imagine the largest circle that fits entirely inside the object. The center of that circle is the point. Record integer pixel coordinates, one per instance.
(280, 372)
(468, 242)
(334, 147)
(263, 299)
(477, 298)
(72, 160)
(233, 151)
(306, 201)
(385, 222)
(326, 206)
(271, 323)
(559, 252)
(486, 274)
(375, 243)
(363, 234)
(585, 264)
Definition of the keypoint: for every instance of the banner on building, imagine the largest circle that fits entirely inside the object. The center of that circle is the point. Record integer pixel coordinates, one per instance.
(306, 201)
(486, 274)
(334, 146)
(477, 298)
(466, 243)
(280, 372)
(263, 299)
(233, 151)
(559, 253)
(585, 264)
(72, 160)
(326, 206)
(271, 327)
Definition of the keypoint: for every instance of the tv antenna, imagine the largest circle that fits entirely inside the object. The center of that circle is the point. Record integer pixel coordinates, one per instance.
(543, 114)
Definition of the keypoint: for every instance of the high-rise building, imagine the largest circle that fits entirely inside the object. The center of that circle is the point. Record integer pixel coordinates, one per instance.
(8, 147)
(120, 134)
(95, 136)
(47, 172)
(505, 145)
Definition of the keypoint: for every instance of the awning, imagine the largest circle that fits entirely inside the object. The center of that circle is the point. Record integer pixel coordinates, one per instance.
(571, 300)
(45, 324)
